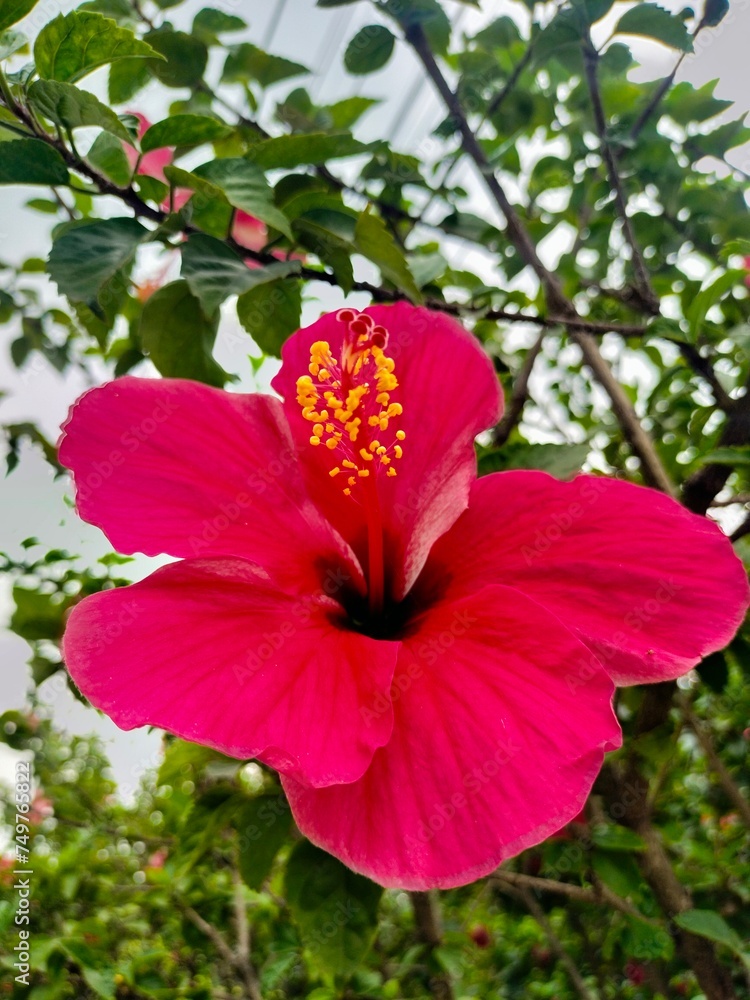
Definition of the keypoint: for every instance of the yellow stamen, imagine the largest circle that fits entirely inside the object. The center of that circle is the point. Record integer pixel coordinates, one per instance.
(348, 399)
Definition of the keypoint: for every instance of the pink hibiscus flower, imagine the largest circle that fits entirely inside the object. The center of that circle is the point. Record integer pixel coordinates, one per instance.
(426, 658)
(248, 231)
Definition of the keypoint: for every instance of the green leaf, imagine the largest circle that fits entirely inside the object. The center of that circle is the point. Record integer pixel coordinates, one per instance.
(75, 44)
(38, 615)
(616, 838)
(86, 256)
(208, 209)
(369, 50)
(109, 157)
(426, 13)
(334, 3)
(179, 337)
(739, 455)
(709, 297)
(714, 12)
(126, 78)
(12, 11)
(120, 10)
(560, 460)
(31, 161)
(214, 271)
(345, 113)
(270, 313)
(69, 107)
(247, 62)
(262, 826)
(373, 240)
(426, 267)
(11, 42)
(335, 909)
(184, 130)
(711, 925)
(642, 940)
(245, 186)
(210, 22)
(288, 151)
(652, 21)
(330, 235)
(618, 871)
(184, 58)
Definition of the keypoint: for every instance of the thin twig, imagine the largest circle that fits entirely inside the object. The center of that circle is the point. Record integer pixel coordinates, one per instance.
(555, 944)
(715, 762)
(596, 896)
(250, 980)
(590, 61)
(653, 470)
(518, 396)
(703, 367)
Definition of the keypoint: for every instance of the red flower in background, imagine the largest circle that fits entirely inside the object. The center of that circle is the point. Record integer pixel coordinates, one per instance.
(426, 658)
(248, 231)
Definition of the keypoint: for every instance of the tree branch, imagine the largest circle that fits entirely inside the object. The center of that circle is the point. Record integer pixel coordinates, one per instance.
(555, 943)
(643, 280)
(558, 303)
(700, 489)
(519, 395)
(430, 932)
(233, 959)
(715, 762)
(597, 896)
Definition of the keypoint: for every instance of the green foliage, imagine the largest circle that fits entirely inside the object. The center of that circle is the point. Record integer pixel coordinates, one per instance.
(653, 21)
(30, 161)
(214, 271)
(246, 62)
(183, 58)
(75, 44)
(372, 240)
(11, 11)
(129, 879)
(287, 151)
(86, 256)
(184, 130)
(67, 106)
(270, 312)
(335, 909)
(178, 336)
(369, 50)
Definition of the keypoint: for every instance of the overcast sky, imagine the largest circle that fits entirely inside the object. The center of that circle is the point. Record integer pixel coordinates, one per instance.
(31, 502)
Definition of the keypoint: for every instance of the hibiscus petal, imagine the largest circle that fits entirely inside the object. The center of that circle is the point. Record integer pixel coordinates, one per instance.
(449, 392)
(175, 467)
(649, 586)
(495, 746)
(211, 651)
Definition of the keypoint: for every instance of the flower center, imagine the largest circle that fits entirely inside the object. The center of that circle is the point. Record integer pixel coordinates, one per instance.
(348, 401)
